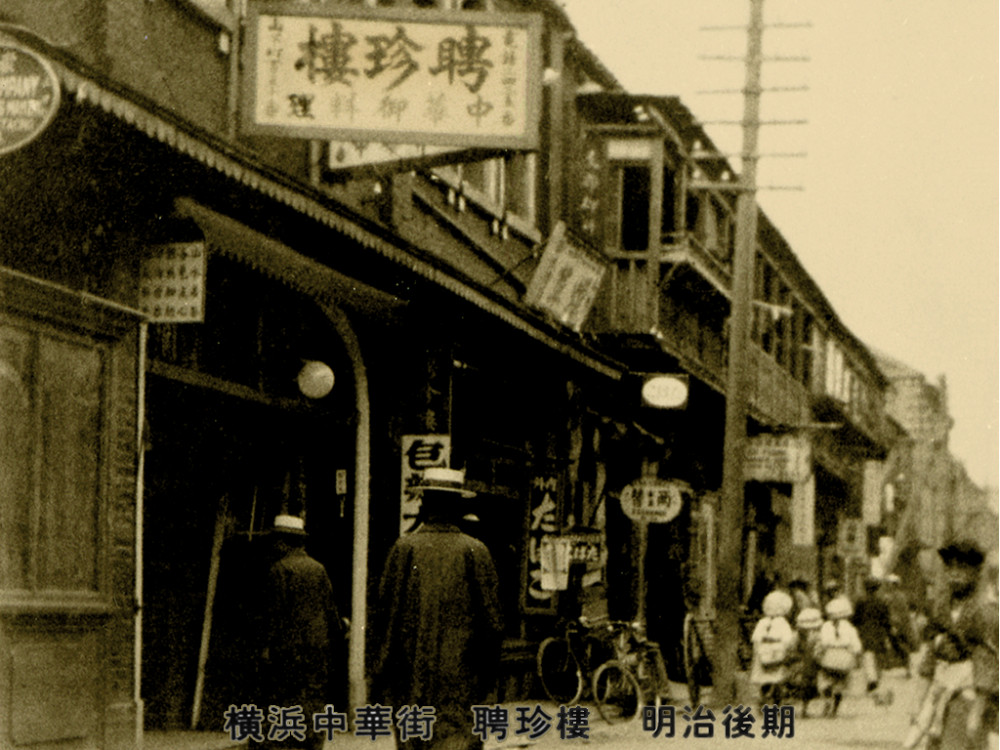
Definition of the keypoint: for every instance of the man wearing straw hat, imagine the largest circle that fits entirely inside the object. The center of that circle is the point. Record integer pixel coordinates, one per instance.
(439, 618)
(301, 619)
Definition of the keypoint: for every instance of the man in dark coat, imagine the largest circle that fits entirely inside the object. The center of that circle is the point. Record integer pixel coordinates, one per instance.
(440, 618)
(872, 619)
(300, 621)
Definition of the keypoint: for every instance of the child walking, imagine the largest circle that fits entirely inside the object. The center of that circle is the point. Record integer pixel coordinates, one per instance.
(772, 640)
(837, 653)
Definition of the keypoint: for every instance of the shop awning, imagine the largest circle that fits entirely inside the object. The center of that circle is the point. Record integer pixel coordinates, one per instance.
(224, 157)
(278, 261)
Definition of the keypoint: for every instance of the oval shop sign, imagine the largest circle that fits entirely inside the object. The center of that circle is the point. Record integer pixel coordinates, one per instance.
(29, 96)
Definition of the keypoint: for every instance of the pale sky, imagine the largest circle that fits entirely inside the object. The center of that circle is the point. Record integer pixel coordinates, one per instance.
(898, 219)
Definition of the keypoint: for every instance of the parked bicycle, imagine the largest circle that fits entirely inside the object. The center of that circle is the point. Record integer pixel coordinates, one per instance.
(631, 671)
(564, 660)
(634, 679)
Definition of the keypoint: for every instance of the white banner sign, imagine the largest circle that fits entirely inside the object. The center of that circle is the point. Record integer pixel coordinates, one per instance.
(172, 282)
(394, 75)
(419, 452)
(777, 458)
(804, 512)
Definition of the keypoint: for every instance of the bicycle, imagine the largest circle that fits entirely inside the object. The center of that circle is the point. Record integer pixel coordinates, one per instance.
(634, 675)
(564, 661)
(632, 681)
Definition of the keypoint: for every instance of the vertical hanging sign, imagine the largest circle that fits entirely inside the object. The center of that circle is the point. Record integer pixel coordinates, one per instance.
(542, 563)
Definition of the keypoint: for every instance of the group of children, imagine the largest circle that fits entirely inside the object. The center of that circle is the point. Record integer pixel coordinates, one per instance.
(811, 659)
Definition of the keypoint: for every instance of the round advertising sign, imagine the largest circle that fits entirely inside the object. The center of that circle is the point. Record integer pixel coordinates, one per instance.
(29, 96)
(653, 500)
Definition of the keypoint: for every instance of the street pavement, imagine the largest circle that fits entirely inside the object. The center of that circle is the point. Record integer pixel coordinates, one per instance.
(860, 723)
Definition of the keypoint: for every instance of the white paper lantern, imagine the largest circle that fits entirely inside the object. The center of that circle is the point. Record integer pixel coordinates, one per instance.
(315, 379)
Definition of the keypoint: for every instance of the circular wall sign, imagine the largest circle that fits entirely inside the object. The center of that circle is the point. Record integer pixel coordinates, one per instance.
(29, 96)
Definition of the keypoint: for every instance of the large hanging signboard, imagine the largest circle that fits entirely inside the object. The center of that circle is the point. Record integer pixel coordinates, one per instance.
(458, 78)
(29, 96)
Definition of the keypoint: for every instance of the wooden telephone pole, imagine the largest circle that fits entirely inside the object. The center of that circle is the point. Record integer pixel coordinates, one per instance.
(728, 589)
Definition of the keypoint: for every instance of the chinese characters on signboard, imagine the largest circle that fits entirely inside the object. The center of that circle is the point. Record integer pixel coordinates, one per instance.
(419, 452)
(543, 520)
(566, 281)
(172, 283)
(653, 500)
(777, 458)
(394, 76)
(587, 188)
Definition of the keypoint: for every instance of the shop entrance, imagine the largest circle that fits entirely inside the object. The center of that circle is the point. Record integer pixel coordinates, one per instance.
(218, 469)
(233, 438)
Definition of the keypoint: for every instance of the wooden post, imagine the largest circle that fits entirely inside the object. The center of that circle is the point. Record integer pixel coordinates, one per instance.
(221, 525)
(728, 594)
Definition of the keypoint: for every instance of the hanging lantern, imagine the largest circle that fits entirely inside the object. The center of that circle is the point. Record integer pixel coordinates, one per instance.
(315, 379)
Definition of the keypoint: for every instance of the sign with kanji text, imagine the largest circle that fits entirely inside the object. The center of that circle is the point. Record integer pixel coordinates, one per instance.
(172, 282)
(29, 96)
(566, 281)
(777, 458)
(337, 72)
(588, 190)
(547, 564)
(419, 452)
(653, 500)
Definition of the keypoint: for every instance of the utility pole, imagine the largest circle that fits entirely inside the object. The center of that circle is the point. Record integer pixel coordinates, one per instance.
(730, 549)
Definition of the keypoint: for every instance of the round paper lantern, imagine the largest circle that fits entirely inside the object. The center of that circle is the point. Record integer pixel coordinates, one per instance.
(315, 379)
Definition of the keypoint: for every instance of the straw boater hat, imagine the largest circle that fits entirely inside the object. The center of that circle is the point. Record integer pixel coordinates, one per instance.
(287, 524)
(440, 479)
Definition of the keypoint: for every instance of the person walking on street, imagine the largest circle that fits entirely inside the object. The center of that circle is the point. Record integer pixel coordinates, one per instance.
(772, 639)
(439, 619)
(301, 623)
(902, 638)
(837, 653)
(871, 618)
(803, 668)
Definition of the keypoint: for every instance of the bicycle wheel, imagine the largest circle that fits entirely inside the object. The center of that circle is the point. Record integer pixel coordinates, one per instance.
(617, 692)
(559, 672)
(694, 653)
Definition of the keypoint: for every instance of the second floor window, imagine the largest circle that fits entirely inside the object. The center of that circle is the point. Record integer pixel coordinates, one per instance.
(504, 187)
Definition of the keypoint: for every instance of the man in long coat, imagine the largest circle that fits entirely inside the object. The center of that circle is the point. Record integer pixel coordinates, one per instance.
(440, 619)
(301, 620)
